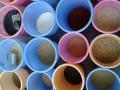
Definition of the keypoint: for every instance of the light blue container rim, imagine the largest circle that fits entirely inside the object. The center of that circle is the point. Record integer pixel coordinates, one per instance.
(38, 73)
(53, 26)
(55, 50)
(22, 53)
(85, 27)
(99, 69)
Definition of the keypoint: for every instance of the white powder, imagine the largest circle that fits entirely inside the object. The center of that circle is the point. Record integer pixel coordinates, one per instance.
(45, 22)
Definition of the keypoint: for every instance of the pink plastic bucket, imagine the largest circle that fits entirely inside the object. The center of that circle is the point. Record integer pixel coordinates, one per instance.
(14, 2)
(73, 47)
(3, 12)
(107, 16)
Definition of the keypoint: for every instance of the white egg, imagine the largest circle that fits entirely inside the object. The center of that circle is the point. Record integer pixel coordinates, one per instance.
(45, 22)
